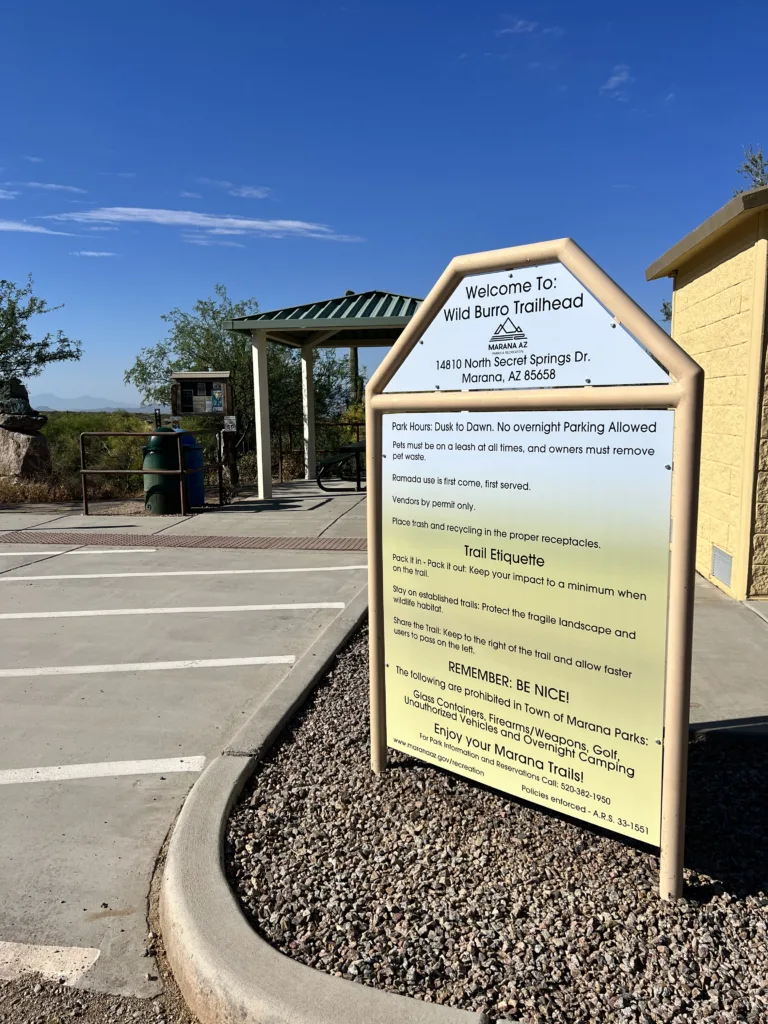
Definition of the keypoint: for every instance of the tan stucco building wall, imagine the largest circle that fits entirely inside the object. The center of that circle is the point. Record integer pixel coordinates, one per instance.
(759, 582)
(719, 318)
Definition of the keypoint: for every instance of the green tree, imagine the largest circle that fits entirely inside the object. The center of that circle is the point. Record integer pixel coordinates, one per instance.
(754, 169)
(21, 355)
(666, 312)
(197, 341)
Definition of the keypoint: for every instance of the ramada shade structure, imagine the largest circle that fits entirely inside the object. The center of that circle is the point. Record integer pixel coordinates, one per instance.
(358, 320)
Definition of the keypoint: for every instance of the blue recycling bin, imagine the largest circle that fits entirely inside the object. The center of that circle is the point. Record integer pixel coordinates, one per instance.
(193, 459)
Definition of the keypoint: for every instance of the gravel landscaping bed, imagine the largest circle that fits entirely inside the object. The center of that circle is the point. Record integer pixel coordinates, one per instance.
(37, 1001)
(425, 884)
(34, 999)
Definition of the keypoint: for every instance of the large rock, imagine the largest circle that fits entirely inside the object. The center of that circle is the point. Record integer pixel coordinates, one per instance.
(23, 424)
(23, 449)
(24, 456)
(15, 408)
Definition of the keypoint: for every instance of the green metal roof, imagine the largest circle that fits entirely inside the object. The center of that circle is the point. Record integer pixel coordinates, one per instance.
(365, 318)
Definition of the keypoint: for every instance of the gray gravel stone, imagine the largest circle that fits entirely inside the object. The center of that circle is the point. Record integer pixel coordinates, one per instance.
(37, 1001)
(423, 883)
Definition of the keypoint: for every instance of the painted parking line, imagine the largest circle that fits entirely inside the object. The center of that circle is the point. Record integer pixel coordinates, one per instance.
(177, 572)
(176, 611)
(145, 666)
(28, 554)
(54, 963)
(111, 551)
(80, 551)
(102, 770)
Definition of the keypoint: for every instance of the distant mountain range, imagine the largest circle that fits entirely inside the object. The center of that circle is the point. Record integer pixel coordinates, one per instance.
(84, 403)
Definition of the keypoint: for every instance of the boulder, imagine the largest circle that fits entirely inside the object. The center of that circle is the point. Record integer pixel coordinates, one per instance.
(15, 411)
(23, 423)
(23, 449)
(23, 456)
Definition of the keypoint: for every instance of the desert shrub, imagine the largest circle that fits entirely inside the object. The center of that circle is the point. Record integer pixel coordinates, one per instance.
(63, 432)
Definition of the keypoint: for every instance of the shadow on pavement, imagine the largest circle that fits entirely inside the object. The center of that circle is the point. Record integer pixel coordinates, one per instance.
(268, 505)
(727, 825)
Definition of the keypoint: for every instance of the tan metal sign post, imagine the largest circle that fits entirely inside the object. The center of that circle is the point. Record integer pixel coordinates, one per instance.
(530, 601)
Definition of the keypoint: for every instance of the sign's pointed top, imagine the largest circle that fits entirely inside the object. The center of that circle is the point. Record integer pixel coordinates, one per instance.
(542, 315)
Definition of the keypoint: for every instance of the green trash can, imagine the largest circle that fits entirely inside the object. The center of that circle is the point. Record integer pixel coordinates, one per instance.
(161, 492)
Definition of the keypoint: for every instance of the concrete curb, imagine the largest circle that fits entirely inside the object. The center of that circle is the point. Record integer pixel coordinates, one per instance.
(256, 736)
(226, 972)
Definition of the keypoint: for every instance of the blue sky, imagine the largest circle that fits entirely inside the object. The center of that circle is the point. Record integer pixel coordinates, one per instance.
(355, 145)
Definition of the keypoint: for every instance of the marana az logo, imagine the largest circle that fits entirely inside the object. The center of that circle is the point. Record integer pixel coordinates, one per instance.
(507, 335)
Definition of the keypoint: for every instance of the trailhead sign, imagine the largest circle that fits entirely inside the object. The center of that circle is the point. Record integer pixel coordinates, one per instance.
(530, 593)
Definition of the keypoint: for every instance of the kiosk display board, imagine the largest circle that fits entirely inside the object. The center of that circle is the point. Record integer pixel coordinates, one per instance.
(202, 393)
(530, 576)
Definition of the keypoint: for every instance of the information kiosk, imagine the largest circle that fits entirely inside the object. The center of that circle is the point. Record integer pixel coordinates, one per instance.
(201, 392)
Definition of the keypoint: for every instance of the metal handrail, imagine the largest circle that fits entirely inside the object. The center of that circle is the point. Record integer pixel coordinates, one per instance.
(181, 472)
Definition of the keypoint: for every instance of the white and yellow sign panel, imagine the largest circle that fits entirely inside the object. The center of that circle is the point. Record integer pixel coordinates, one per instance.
(533, 327)
(525, 578)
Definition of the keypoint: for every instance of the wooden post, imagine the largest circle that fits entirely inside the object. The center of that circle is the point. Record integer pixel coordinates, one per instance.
(220, 465)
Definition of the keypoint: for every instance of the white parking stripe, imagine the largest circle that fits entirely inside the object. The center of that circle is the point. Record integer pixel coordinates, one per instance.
(175, 611)
(145, 666)
(180, 572)
(111, 551)
(102, 769)
(80, 551)
(52, 962)
(27, 554)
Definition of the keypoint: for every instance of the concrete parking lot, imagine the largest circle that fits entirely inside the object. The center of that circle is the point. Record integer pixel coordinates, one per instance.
(128, 665)
(123, 671)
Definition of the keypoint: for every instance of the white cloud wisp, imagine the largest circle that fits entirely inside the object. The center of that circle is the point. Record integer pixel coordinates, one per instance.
(207, 240)
(48, 186)
(241, 191)
(208, 223)
(614, 85)
(249, 192)
(91, 252)
(31, 229)
(520, 26)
